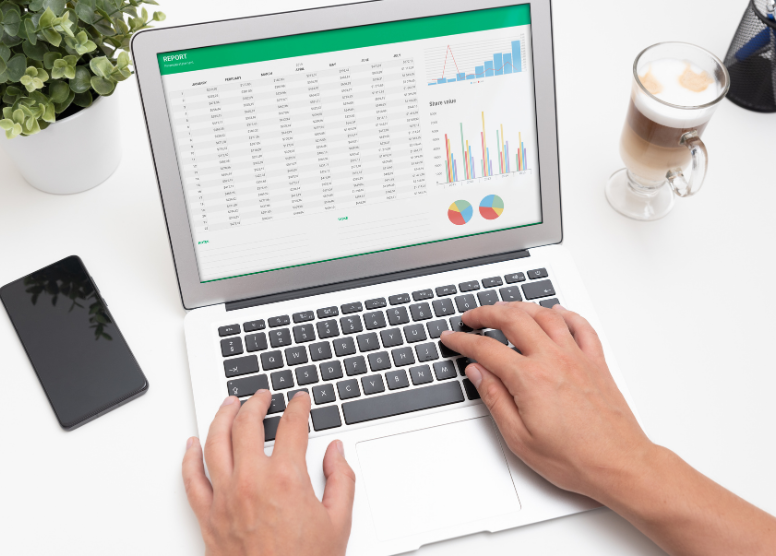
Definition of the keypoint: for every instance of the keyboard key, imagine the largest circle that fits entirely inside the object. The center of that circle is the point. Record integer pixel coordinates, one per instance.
(399, 299)
(327, 312)
(355, 365)
(398, 403)
(469, 286)
(256, 342)
(391, 337)
(537, 273)
(229, 330)
(462, 363)
(277, 404)
(374, 320)
(465, 302)
(422, 294)
(550, 303)
(446, 290)
(471, 391)
(282, 380)
(446, 351)
(436, 328)
(304, 316)
(231, 346)
(398, 316)
(304, 333)
(271, 428)
(331, 370)
(444, 370)
(296, 355)
(247, 386)
(420, 311)
(497, 335)
(293, 393)
(351, 325)
(426, 352)
(378, 303)
(511, 293)
(349, 308)
(344, 346)
(326, 418)
(327, 329)
(283, 320)
(372, 384)
(514, 278)
(320, 351)
(271, 360)
(403, 356)
(488, 297)
(415, 333)
(348, 389)
(254, 325)
(306, 375)
(457, 325)
(421, 375)
(535, 290)
(323, 393)
(443, 307)
(241, 366)
(492, 282)
(368, 342)
(397, 379)
(379, 361)
(280, 338)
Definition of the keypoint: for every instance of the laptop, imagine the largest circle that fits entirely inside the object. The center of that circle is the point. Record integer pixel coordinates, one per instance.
(340, 185)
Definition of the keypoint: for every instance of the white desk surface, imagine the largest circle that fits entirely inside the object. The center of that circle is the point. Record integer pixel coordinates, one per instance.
(683, 300)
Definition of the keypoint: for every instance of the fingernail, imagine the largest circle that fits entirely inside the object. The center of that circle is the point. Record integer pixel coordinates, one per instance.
(559, 306)
(501, 303)
(474, 374)
(446, 333)
(300, 393)
(229, 401)
(189, 442)
(260, 391)
(341, 448)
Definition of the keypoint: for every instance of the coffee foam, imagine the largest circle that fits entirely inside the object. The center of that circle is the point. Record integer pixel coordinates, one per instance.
(680, 83)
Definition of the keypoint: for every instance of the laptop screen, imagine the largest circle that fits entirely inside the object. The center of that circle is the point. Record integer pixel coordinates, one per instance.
(315, 147)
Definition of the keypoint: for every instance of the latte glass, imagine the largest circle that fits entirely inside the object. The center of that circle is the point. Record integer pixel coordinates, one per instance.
(676, 89)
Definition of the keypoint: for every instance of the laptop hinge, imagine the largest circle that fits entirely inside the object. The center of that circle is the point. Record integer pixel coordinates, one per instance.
(383, 278)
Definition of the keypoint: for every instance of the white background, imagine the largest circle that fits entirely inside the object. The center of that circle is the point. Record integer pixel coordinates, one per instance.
(685, 302)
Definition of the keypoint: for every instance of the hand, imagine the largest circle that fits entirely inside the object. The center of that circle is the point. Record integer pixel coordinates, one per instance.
(556, 405)
(265, 505)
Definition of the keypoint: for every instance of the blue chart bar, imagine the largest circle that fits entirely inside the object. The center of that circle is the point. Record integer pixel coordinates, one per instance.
(502, 63)
(461, 76)
(489, 68)
(507, 63)
(517, 59)
(498, 64)
(479, 71)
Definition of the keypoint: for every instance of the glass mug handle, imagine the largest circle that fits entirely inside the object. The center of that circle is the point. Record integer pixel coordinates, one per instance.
(682, 186)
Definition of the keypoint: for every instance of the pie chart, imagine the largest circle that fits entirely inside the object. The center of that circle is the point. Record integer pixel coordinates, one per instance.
(491, 207)
(460, 212)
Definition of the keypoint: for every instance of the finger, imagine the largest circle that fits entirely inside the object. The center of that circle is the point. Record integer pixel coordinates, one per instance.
(499, 401)
(248, 430)
(340, 487)
(553, 325)
(584, 334)
(293, 430)
(492, 354)
(218, 446)
(198, 489)
(517, 325)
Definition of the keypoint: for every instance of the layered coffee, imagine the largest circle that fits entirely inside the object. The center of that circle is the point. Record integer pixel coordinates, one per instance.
(651, 138)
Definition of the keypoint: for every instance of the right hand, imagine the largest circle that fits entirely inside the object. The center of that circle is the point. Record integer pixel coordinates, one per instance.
(556, 405)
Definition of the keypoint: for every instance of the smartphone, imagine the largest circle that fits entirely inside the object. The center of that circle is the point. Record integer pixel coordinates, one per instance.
(82, 361)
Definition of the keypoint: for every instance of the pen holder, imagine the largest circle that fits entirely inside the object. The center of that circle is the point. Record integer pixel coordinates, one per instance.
(751, 59)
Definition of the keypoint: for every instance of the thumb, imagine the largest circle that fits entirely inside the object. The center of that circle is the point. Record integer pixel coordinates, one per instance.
(340, 487)
(499, 401)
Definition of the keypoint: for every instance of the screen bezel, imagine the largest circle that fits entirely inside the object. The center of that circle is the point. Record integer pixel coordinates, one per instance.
(147, 44)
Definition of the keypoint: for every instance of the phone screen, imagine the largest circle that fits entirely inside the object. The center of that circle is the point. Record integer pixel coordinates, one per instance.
(78, 352)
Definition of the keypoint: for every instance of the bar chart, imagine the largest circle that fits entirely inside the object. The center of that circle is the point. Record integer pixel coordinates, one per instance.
(480, 158)
(475, 61)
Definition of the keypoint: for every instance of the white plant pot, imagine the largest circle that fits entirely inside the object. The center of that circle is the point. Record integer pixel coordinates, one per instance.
(71, 155)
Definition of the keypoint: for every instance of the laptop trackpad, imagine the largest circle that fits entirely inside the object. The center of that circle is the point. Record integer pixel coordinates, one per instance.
(438, 477)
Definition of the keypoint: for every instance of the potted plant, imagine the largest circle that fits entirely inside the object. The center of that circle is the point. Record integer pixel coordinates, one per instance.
(60, 61)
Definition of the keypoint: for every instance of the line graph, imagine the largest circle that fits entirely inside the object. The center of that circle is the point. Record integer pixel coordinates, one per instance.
(474, 61)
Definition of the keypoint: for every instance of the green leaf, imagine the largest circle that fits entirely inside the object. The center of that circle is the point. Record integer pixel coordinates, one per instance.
(84, 100)
(49, 114)
(5, 53)
(85, 11)
(18, 116)
(123, 60)
(52, 36)
(16, 67)
(59, 91)
(57, 6)
(12, 20)
(159, 16)
(29, 27)
(6, 125)
(47, 19)
(62, 106)
(81, 82)
(36, 5)
(35, 51)
(3, 65)
(8, 40)
(101, 66)
(102, 86)
(49, 58)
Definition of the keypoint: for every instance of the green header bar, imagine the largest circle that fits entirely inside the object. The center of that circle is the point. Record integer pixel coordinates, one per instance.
(342, 39)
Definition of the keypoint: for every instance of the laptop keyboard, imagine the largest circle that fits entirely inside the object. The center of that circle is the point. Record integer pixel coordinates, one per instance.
(372, 359)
